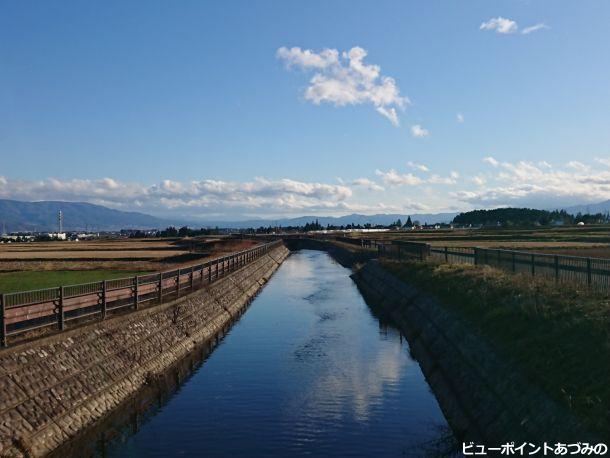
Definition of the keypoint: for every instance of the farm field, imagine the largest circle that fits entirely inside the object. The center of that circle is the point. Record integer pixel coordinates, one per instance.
(37, 265)
(591, 241)
(30, 280)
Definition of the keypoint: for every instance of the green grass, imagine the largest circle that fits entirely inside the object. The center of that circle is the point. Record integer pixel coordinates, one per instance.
(558, 336)
(28, 280)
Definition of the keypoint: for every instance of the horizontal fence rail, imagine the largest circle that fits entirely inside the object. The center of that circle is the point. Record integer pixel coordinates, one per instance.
(27, 311)
(591, 272)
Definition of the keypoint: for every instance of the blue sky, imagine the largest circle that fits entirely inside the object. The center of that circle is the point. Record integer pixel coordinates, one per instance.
(230, 109)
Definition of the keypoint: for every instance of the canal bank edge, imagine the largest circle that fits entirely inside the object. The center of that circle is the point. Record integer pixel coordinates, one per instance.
(53, 389)
(484, 399)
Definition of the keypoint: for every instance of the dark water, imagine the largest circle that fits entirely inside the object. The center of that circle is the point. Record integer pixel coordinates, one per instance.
(308, 370)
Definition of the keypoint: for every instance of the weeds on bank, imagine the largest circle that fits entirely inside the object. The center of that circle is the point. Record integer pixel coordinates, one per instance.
(558, 335)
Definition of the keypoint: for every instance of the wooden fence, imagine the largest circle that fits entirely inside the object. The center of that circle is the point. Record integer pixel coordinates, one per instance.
(27, 311)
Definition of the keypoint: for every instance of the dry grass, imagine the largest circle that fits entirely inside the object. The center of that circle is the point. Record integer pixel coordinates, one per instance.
(86, 255)
(575, 241)
(559, 337)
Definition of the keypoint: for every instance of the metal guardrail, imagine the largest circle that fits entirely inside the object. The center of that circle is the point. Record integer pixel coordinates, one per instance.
(593, 273)
(26, 311)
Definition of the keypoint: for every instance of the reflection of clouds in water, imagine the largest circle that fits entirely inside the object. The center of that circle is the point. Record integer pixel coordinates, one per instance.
(347, 383)
(350, 375)
(357, 385)
(300, 267)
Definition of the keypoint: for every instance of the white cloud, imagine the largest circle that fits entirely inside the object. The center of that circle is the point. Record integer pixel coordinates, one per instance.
(417, 131)
(459, 118)
(368, 184)
(507, 26)
(393, 178)
(260, 194)
(308, 59)
(579, 166)
(500, 25)
(491, 161)
(420, 167)
(479, 180)
(540, 185)
(534, 28)
(603, 160)
(437, 179)
(344, 79)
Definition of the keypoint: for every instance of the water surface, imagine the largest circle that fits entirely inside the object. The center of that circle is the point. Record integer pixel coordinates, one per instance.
(310, 369)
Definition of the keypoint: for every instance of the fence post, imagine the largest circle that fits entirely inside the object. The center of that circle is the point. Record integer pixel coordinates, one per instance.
(136, 292)
(178, 284)
(60, 317)
(209, 272)
(533, 265)
(104, 299)
(421, 254)
(556, 268)
(514, 265)
(217, 269)
(160, 287)
(446, 255)
(191, 277)
(589, 273)
(3, 339)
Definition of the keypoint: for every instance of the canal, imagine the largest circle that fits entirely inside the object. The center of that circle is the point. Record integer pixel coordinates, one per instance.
(310, 369)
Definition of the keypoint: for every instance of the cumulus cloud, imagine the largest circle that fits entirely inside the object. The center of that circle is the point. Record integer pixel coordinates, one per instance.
(345, 79)
(491, 161)
(603, 160)
(540, 185)
(500, 25)
(420, 167)
(394, 178)
(259, 194)
(368, 184)
(479, 180)
(417, 131)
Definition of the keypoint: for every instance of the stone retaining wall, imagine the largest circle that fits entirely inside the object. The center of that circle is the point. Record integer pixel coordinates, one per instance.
(54, 388)
(485, 399)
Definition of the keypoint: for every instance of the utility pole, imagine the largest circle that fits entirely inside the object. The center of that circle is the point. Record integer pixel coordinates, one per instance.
(60, 221)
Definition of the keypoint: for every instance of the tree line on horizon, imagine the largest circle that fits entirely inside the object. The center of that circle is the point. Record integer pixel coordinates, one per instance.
(505, 217)
(512, 217)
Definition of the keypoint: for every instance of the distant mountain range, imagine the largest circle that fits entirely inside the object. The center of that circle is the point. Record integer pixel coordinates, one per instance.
(79, 216)
(601, 207)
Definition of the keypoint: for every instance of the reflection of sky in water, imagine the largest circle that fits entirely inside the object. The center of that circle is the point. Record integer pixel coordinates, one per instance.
(307, 370)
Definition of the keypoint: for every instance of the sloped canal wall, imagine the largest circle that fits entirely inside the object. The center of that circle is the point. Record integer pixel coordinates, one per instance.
(53, 389)
(484, 398)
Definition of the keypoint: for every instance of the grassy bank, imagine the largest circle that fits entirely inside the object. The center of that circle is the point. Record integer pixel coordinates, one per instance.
(28, 280)
(559, 337)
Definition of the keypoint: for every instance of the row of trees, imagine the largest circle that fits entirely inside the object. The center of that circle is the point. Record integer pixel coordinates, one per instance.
(311, 226)
(514, 217)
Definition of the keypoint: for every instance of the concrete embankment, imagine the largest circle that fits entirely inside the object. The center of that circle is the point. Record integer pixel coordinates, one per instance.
(484, 399)
(53, 389)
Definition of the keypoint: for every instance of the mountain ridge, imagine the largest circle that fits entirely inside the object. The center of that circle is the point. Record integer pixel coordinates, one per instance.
(16, 216)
